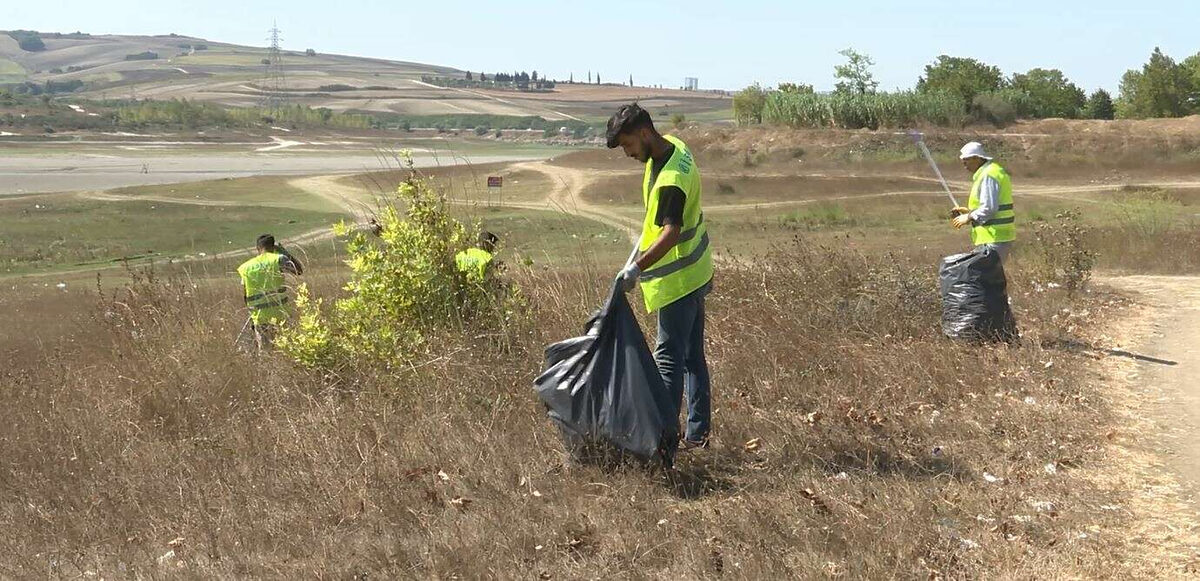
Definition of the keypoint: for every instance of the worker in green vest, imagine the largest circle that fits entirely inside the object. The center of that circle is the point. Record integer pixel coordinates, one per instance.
(989, 211)
(673, 264)
(265, 293)
(475, 261)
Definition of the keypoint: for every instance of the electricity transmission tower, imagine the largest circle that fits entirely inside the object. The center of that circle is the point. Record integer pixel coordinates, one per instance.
(274, 85)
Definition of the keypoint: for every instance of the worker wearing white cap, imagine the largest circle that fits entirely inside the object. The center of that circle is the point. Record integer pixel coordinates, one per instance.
(989, 210)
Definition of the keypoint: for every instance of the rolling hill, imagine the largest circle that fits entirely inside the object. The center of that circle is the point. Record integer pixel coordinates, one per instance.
(174, 66)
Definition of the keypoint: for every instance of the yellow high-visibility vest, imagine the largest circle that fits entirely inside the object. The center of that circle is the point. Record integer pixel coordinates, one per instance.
(266, 294)
(1002, 226)
(474, 263)
(688, 266)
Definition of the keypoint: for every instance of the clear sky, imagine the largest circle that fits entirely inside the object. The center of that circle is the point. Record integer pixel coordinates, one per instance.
(725, 44)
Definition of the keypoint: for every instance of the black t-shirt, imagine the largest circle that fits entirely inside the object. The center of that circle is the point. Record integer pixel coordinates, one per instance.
(671, 199)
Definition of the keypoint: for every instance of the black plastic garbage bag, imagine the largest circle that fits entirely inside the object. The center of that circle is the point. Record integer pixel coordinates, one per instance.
(975, 297)
(604, 392)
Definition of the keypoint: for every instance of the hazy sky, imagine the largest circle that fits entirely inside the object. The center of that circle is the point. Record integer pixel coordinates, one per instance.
(725, 44)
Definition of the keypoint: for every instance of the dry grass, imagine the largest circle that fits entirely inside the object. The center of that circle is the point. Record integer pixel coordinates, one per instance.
(141, 444)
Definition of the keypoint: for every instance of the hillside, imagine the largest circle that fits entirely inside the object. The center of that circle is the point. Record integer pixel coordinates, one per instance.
(227, 74)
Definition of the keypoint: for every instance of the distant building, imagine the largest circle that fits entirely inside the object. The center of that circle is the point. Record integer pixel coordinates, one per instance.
(691, 84)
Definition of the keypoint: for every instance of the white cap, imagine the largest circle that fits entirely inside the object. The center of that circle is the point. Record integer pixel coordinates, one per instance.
(973, 149)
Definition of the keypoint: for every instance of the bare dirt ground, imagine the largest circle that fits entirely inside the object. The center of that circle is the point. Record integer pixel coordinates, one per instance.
(1153, 375)
(1170, 334)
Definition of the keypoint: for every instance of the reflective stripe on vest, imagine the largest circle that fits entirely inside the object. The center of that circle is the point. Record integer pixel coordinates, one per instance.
(265, 292)
(688, 266)
(1002, 226)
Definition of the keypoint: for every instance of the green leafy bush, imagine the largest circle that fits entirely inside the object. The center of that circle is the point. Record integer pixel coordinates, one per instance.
(405, 292)
(748, 105)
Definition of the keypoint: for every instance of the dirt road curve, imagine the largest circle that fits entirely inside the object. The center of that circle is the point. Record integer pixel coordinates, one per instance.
(1172, 336)
(569, 183)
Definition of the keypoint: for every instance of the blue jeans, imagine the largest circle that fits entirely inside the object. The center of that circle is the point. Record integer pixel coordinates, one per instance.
(680, 358)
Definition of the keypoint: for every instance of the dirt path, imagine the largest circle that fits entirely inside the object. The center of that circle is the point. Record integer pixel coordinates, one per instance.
(1153, 455)
(349, 198)
(569, 184)
(1171, 334)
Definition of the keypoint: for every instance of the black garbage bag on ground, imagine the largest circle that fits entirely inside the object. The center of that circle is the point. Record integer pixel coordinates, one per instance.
(975, 297)
(604, 392)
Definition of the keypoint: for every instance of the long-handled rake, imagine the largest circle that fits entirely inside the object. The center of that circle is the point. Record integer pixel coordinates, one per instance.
(919, 139)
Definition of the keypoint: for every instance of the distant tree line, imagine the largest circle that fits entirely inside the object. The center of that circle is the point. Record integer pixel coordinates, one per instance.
(28, 40)
(142, 56)
(959, 90)
(24, 110)
(521, 81)
(46, 88)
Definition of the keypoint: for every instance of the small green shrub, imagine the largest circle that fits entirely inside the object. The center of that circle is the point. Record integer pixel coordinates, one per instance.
(405, 291)
(1062, 253)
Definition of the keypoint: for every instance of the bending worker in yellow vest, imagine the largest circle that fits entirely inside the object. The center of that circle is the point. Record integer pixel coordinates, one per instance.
(265, 292)
(475, 262)
(674, 263)
(989, 210)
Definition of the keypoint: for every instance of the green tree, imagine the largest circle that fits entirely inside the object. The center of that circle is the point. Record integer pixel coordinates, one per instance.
(855, 76)
(1162, 88)
(796, 88)
(965, 77)
(748, 105)
(1100, 105)
(1051, 94)
(1192, 66)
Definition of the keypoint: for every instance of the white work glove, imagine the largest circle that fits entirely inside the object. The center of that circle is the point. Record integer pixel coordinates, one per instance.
(628, 276)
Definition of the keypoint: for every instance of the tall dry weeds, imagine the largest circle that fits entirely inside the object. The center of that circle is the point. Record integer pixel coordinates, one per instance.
(850, 440)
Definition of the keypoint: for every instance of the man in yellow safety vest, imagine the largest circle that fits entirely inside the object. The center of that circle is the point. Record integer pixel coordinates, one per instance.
(265, 293)
(673, 263)
(475, 262)
(989, 210)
